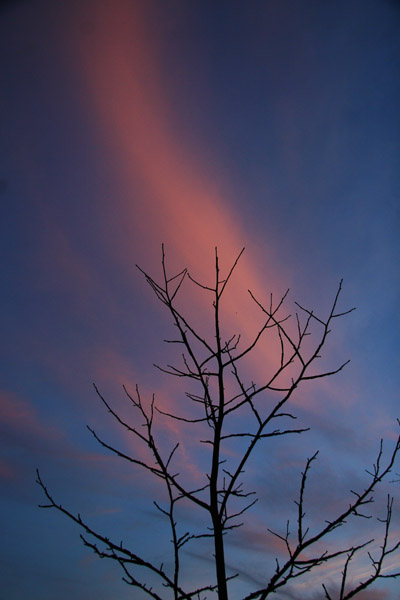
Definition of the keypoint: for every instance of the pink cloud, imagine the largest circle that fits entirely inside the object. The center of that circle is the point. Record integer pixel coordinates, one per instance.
(25, 429)
(19, 414)
(177, 201)
(6, 470)
(183, 205)
(369, 594)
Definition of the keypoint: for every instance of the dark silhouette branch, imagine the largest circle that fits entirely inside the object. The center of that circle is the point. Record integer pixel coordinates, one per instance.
(216, 368)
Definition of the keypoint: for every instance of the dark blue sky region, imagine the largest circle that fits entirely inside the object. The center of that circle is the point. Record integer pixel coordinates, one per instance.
(269, 125)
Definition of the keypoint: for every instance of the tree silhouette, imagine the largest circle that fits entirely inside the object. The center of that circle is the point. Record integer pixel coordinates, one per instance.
(215, 368)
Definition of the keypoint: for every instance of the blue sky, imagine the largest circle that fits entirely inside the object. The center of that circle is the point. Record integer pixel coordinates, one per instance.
(273, 126)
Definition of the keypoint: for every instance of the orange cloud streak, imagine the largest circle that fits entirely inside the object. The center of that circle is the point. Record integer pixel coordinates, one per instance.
(177, 202)
(165, 194)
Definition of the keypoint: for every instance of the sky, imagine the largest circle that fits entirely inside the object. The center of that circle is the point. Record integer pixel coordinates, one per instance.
(130, 124)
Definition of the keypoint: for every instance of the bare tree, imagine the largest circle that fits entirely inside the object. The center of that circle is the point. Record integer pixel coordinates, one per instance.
(216, 370)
